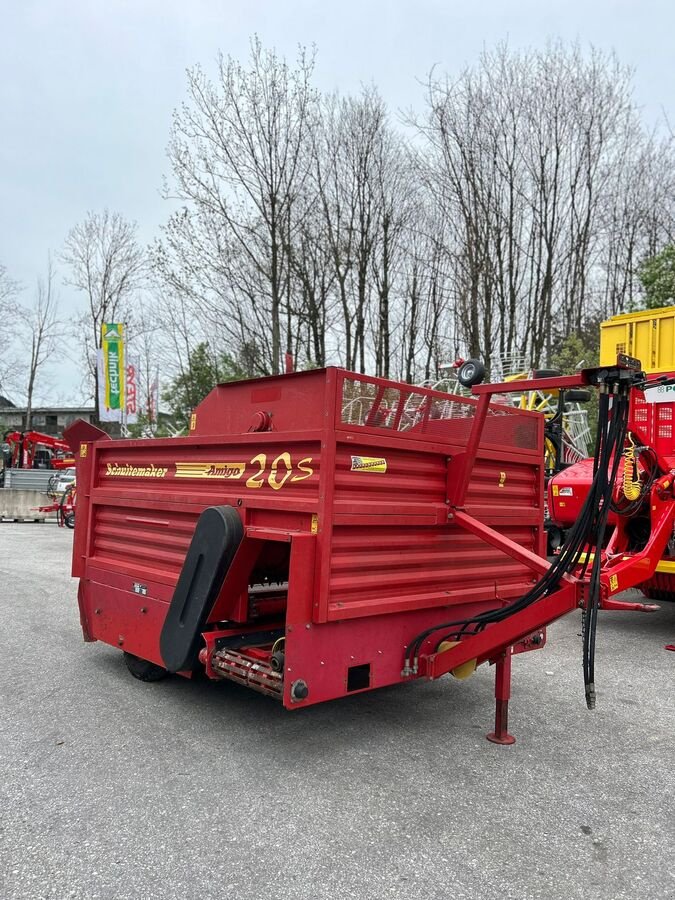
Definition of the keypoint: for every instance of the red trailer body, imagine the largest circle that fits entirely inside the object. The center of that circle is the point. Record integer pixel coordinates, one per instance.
(343, 485)
(324, 533)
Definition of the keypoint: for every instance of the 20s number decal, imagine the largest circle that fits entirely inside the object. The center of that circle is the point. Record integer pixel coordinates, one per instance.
(281, 470)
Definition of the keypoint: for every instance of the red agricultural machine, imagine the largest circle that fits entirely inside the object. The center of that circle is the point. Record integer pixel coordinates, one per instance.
(324, 533)
(62, 503)
(648, 453)
(34, 450)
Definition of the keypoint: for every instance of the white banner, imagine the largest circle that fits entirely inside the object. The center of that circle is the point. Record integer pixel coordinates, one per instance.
(104, 414)
(132, 392)
(662, 393)
(132, 389)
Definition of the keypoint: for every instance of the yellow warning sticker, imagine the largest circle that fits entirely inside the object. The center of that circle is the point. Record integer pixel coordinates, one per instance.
(83, 450)
(369, 464)
(502, 479)
(315, 523)
(613, 583)
(193, 421)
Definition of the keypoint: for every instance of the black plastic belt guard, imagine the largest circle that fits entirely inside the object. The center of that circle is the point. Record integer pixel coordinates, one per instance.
(217, 536)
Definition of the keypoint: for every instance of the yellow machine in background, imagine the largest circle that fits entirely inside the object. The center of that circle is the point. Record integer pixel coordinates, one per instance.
(648, 335)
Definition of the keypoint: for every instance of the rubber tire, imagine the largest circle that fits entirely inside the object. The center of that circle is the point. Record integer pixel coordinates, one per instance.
(144, 670)
(546, 373)
(555, 538)
(577, 395)
(69, 520)
(471, 372)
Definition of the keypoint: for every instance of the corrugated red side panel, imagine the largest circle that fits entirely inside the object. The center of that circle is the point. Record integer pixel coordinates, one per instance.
(147, 495)
(392, 548)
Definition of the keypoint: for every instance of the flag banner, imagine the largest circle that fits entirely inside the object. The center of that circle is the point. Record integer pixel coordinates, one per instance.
(105, 415)
(132, 389)
(112, 345)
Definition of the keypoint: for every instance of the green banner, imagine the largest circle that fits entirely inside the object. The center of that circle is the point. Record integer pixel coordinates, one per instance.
(112, 344)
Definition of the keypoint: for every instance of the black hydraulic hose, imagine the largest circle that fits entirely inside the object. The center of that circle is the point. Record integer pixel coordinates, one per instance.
(588, 531)
(590, 615)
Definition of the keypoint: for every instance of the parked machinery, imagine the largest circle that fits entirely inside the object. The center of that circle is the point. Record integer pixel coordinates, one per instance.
(310, 551)
(34, 450)
(649, 451)
(63, 503)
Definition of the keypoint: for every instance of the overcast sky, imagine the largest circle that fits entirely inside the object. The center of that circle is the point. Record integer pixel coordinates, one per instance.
(87, 88)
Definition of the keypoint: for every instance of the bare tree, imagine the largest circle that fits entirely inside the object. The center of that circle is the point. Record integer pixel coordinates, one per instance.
(107, 264)
(518, 213)
(9, 290)
(527, 156)
(238, 157)
(40, 329)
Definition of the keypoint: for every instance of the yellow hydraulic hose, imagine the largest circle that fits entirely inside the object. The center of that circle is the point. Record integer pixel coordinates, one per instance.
(632, 486)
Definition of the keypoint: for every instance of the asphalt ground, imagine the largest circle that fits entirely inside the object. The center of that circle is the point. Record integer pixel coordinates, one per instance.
(112, 788)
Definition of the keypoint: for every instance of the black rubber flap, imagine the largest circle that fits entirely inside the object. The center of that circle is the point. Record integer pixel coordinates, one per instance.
(218, 534)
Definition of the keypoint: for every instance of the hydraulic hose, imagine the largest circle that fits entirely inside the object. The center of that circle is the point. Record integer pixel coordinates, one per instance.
(588, 532)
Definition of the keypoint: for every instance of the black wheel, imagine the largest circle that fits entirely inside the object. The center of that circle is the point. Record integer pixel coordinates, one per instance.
(546, 373)
(471, 372)
(577, 396)
(69, 520)
(554, 539)
(142, 669)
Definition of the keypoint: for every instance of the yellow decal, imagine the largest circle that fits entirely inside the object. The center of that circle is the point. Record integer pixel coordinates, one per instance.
(315, 523)
(193, 421)
(280, 471)
(369, 464)
(613, 583)
(226, 470)
(257, 480)
(305, 468)
(83, 450)
(125, 470)
(502, 479)
(555, 490)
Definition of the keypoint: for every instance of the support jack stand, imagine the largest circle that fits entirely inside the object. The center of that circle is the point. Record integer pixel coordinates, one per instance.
(502, 694)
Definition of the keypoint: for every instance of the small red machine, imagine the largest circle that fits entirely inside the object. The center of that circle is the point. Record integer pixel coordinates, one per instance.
(324, 533)
(34, 450)
(63, 505)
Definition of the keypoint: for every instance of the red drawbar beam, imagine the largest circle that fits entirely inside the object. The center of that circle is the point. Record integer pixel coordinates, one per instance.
(497, 637)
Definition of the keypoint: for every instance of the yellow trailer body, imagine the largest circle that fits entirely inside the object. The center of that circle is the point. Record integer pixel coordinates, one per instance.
(648, 335)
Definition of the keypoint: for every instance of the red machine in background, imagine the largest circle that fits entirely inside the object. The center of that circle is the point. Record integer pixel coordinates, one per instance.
(63, 504)
(34, 450)
(649, 451)
(324, 533)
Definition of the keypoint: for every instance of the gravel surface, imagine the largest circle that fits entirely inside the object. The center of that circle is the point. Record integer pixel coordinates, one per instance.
(111, 788)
